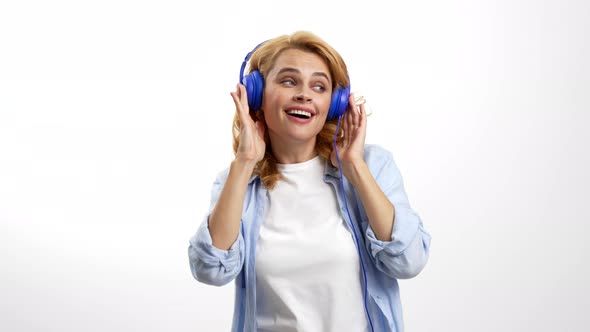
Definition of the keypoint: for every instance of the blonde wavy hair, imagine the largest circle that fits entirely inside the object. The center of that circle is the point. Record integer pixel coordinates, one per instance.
(263, 60)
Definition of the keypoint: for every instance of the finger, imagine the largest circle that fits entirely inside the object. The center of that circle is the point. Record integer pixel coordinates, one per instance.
(363, 115)
(350, 126)
(260, 128)
(359, 102)
(344, 127)
(351, 102)
(244, 97)
(235, 96)
(353, 112)
(241, 104)
(361, 130)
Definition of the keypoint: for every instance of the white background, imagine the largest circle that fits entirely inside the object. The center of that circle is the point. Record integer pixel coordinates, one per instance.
(115, 117)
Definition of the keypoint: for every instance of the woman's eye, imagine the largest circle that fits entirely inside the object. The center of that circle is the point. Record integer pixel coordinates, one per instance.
(319, 88)
(288, 82)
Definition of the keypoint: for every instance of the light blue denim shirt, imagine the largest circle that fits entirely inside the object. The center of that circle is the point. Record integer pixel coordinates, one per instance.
(383, 262)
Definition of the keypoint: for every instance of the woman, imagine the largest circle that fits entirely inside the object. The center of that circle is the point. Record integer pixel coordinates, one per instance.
(313, 224)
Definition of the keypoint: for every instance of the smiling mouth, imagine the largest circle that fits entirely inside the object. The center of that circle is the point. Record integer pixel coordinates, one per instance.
(299, 114)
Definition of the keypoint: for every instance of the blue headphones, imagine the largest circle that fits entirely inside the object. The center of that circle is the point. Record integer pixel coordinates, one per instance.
(254, 84)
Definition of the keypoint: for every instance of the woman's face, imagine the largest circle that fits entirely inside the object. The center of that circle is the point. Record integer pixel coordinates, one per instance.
(296, 98)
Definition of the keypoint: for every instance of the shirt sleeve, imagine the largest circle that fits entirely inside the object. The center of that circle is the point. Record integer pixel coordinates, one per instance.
(407, 253)
(208, 263)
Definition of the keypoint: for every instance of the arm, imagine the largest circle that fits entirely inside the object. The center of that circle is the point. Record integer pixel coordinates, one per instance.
(395, 236)
(407, 251)
(224, 221)
(216, 251)
(208, 263)
(379, 209)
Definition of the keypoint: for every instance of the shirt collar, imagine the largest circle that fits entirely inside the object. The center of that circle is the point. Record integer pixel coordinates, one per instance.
(329, 170)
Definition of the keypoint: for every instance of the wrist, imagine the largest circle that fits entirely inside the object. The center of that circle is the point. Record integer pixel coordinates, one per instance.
(355, 170)
(243, 166)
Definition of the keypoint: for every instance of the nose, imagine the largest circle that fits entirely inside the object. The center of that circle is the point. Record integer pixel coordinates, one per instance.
(302, 96)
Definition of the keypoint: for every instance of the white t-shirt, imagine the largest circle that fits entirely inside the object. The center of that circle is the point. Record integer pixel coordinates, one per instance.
(308, 275)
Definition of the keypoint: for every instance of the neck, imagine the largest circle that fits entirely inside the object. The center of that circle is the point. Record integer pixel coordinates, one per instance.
(292, 153)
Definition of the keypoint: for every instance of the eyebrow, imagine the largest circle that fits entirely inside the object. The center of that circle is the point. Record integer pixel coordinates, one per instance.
(295, 70)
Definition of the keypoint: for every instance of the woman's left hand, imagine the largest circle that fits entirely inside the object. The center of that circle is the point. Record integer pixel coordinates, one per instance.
(354, 124)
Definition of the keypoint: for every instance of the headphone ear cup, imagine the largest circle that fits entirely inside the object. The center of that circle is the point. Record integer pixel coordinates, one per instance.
(339, 102)
(254, 84)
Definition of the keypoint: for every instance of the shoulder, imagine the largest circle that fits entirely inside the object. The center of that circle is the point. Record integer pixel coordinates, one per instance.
(377, 155)
(221, 177)
(382, 166)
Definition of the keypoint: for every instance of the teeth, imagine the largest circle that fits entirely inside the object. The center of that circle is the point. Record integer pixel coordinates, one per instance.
(299, 112)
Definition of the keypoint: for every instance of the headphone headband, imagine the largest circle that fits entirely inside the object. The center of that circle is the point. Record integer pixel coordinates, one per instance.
(246, 58)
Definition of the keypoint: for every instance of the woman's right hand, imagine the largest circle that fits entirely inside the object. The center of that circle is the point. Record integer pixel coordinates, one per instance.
(251, 147)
